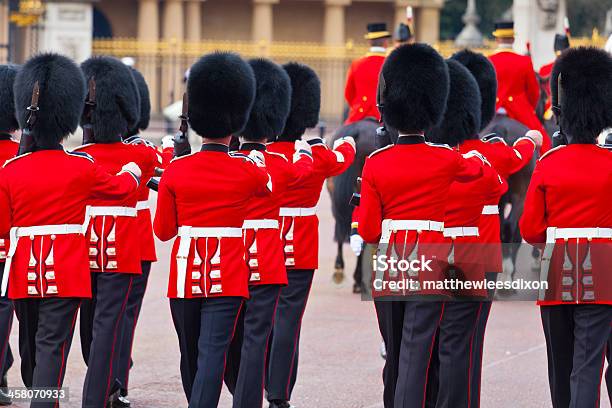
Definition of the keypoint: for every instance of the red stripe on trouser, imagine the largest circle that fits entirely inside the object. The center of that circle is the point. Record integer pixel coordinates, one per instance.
(470, 379)
(603, 359)
(229, 343)
(433, 341)
(110, 367)
(296, 340)
(263, 382)
(64, 357)
(482, 353)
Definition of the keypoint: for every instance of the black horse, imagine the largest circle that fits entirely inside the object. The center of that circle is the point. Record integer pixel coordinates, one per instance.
(342, 187)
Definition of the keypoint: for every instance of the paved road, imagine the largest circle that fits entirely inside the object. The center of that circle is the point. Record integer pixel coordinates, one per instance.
(339, 362)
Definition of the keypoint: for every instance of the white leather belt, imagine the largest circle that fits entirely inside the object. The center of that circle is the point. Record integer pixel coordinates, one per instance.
(490, 210)
(186, 234)
(142, 205)
(297, 212)
(553, 234)
(37, 230)
(390, 226)
(112, 211)
(454, 232)
(260, 224)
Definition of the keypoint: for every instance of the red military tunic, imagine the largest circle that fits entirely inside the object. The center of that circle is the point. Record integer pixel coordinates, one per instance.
(265, 255)
(518, 90)
(115, 241)
(8, 150)
(144, 219)
(411, 181)
(212, 189)
(465, 202)
(545, 73)
(53, 187)
(506, 161)
(301, 232)
(362, 84)
(571, 187)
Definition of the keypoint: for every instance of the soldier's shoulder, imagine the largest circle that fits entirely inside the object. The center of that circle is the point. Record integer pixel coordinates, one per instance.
(439, 145)
(15, 159)
(381, 150)
(278, 155)
(493, 138)
(182, 159)
(82, 155)
(82, 147)
(551, 152)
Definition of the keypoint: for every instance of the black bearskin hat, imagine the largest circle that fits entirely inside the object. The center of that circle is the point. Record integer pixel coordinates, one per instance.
(221, 91)
(272, 101)
(484, 72)
(305, 101)
(586, 91)
(414, 88)
(61, 101)
(117, 107)
(145, 101)
(8, 120)
(462, 117)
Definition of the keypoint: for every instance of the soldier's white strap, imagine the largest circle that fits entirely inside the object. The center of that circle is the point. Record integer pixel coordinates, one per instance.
(112, 211)
(37, 230)
(454, 232)
(260, 224)
(390, 226)
(142, 205)
(186, 234)
(490, 210)
(297, 212)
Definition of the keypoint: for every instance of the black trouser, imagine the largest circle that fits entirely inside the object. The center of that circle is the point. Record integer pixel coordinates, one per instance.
(421, 322)
(132, 311)
(251, 347)
(205, 327)
(50, 325)
(101, 323)
(6, 322)
(609, 369)
(390, 315)
(284, 346)
(478, 345)
(576, 340)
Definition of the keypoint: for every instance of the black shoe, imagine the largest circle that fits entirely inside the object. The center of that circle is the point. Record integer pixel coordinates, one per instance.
(121, 402)
(280, 404)
(356, 288)
(5, 399)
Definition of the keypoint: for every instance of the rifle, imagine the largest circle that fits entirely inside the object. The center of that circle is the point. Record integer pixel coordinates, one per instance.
(181, 138)
(90, 106)
(27, 144)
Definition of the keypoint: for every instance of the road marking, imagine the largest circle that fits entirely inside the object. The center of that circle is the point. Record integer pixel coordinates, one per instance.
(515, 356)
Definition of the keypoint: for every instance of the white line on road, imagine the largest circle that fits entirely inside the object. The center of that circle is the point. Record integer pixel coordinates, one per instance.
(515, 356)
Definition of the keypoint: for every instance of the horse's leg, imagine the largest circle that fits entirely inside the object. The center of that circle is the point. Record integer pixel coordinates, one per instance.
(357, 275)
(338, 276)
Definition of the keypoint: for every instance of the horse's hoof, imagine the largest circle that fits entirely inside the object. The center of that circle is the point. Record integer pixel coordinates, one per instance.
(338, 276)
(357, 288)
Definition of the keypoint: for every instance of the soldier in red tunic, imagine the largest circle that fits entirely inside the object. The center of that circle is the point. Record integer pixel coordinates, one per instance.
(517, 86)
(562, 43)
(114, 234)
(204, 198)
(44, 213)
(362, 78)
(147, 246)
(506, 160)
(299, 228)
(403, 209)
(8, 150)
(567, 214)
(262, 236)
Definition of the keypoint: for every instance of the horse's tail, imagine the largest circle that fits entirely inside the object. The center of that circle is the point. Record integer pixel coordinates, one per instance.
(344, 186)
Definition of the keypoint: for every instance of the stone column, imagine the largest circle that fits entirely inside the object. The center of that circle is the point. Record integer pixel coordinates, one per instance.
(4, 31)
(263, 23)
(428, 21)
(400, 12)
(173, 23)
(332, 78)
(193, 20)
(148, 36)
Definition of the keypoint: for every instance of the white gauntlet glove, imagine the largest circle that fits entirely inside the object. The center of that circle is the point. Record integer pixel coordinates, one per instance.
(536, 136)
(356, 244)
(301, 147)
(167, 141)
(132, 168)
(345, 139)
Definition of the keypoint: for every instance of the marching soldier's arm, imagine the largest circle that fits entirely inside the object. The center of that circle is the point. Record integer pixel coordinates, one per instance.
(165, 223)
(303, 164)
(523, 150)
(338, 159)
(533, 221)
(5, 209)
(106, 186)
(370, 209)
(469, 167)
